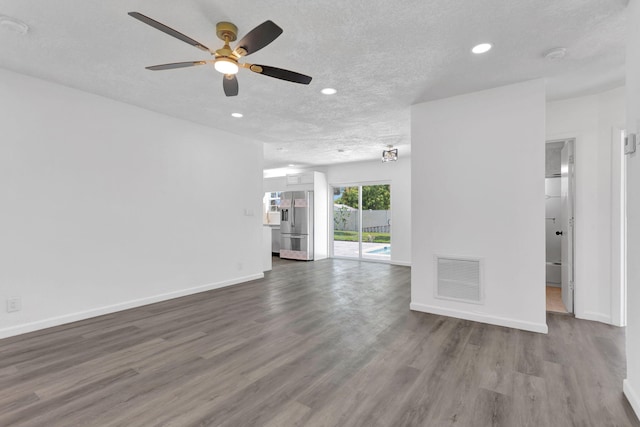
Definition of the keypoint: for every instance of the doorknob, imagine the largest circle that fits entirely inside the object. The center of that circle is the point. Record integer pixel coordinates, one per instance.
(558, 233)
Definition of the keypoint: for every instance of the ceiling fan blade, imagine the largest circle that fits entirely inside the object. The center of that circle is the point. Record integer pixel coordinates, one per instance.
(175, 65)
(230, 84)
(258, 38)
(281, 74)
(168, 30)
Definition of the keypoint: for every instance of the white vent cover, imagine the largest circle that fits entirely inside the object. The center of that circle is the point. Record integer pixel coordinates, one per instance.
(459, 279)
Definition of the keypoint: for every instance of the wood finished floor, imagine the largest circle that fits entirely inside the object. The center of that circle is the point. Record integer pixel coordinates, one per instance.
(328, 343)
(554, 300)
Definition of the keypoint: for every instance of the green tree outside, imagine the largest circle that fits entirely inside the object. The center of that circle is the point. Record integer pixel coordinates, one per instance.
(374, 197)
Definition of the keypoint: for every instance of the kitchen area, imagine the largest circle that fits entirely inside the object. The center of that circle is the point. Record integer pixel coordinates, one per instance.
(271, 218)
(295, 217)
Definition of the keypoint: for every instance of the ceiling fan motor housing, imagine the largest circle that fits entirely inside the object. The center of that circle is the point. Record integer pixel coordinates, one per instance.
(226, 31)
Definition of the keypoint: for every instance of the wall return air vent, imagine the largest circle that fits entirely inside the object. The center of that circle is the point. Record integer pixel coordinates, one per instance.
(459, 279)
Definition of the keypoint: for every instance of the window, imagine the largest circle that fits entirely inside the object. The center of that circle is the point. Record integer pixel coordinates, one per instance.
(273, 201)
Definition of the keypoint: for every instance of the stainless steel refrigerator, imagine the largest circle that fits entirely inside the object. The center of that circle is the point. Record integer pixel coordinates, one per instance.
(296, 225)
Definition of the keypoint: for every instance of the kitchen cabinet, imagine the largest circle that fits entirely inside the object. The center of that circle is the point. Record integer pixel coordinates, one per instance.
(275, 240)
(266, 249)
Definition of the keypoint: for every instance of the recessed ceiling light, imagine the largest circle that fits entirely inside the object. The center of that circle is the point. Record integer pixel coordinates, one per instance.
(13, 24)
(291, 165)
(329, 91)
(481, 48)
(236, 115)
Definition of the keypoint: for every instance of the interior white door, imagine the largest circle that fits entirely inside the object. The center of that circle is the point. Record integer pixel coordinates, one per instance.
(566, 231)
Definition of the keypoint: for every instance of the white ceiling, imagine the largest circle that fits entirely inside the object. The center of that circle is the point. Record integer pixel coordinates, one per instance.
(382, 56)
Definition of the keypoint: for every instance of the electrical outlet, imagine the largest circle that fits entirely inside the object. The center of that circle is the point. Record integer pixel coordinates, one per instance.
(14, 304)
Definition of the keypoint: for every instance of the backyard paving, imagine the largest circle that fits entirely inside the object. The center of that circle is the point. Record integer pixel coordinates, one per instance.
(350, 250)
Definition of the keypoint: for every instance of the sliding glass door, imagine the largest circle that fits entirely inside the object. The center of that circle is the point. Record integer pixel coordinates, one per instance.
(362, 222)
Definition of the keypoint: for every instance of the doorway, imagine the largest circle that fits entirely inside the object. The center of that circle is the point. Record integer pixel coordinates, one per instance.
(560, 225)
(361, 225)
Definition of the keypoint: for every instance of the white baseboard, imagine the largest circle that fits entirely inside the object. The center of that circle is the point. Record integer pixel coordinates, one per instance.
(482, 318)
(594, 316)
(401, 263)
(632, 396)
(99, 311)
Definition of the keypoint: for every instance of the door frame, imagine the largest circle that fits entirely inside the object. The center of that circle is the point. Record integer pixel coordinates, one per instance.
(572, 196)
(567, 216)
(359, 184)
(618, 184)
(618, 228)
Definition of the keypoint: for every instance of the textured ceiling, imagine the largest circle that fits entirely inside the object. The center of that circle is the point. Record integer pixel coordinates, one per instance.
(381, 56)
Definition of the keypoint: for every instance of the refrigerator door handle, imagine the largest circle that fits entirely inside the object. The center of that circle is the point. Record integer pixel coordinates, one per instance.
(297, 237)
(293, 208)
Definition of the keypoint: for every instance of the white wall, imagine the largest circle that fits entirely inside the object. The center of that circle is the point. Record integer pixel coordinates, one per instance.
(321, 216)
(106, 206)
(632, 383)
(593, 121)
(278, 183)
(478, 164)
(399, 175)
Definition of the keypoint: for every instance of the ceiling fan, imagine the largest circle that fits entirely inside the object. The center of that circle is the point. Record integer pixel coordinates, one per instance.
(226, 59)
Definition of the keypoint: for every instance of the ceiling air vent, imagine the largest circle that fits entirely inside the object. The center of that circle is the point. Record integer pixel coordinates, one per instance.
(459, 279)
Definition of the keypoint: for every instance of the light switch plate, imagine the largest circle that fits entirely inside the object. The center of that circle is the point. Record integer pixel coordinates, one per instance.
(630, 143)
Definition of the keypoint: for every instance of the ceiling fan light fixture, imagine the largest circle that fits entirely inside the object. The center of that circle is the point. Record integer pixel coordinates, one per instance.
(226, 66)
(225, 59)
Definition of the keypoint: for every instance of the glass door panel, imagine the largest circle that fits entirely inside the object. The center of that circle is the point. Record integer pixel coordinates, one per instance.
(376, 222)
(346, 222)
(362, 222)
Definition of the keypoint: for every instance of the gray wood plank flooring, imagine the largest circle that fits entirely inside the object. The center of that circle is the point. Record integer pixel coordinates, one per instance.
(326, 343)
